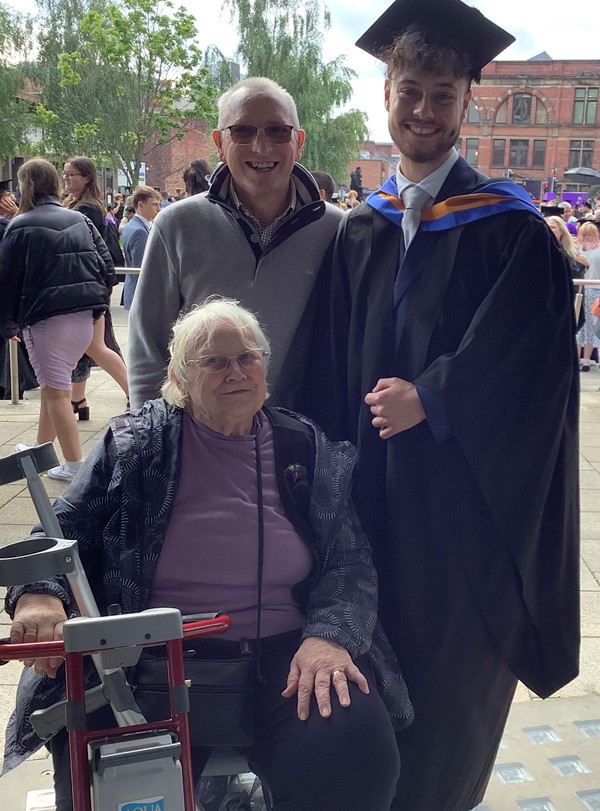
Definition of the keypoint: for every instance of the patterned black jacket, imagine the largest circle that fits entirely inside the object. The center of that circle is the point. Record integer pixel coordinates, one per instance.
(118, 510)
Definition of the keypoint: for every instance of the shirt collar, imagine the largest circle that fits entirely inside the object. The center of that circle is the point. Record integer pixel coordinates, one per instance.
(241, 208)
(433, 182)
(146, 222)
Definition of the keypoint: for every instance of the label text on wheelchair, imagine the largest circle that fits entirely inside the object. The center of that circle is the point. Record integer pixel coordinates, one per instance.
(150, 804)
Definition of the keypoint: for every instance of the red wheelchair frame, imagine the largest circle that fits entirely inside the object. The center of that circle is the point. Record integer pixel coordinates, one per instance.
(80, 737)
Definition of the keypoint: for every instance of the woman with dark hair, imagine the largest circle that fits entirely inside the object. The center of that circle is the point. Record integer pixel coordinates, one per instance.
(55, 271)
(195, 177)
(80, 179)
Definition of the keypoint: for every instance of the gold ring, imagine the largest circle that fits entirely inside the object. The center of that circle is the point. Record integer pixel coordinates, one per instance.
(338, 671)
(30, 631)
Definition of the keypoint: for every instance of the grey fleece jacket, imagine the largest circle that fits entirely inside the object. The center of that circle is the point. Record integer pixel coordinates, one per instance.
(201, 246)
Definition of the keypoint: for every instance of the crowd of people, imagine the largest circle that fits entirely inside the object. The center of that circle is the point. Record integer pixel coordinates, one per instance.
(404, 589)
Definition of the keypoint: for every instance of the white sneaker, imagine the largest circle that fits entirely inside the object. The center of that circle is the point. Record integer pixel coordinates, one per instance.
(20, 446)
(65, 472)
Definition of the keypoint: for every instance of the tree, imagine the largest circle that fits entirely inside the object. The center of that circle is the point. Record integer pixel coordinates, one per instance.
(59, 31)
(16, 110)
(283, 40)
(133, 75)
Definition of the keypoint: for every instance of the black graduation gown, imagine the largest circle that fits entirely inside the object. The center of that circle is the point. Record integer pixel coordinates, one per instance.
(475, 537)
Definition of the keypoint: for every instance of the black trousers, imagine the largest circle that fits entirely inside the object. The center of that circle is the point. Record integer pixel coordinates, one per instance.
(347, 762)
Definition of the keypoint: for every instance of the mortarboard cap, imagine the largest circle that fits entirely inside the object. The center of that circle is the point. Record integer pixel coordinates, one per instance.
(447, 22)
(551, 211)
(6, 184)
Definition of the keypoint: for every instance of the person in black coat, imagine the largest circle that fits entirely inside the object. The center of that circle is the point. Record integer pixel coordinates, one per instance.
(55, 275)
(8, 209)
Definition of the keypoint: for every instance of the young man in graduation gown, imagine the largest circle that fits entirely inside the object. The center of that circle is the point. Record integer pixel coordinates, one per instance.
(450, 361)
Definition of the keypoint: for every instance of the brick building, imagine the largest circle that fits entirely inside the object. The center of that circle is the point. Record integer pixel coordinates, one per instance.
(377, 162)
(536, 118)
(165, 162)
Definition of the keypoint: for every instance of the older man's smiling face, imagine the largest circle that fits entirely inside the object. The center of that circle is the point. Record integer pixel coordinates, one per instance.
(260, 167)
(425, 111)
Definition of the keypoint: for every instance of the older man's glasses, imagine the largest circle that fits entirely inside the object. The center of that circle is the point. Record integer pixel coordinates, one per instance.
(251, 359)
(246, 133)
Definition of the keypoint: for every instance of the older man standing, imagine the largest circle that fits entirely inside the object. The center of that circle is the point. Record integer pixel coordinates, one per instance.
(258, 235)
(453, 368)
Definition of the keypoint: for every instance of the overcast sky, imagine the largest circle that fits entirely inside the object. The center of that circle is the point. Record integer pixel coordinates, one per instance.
(536, 26)
(565, 32)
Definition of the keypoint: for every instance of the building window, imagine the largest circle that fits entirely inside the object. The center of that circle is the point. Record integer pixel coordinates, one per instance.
(502, 113)
(521, 110)
(581, 153)
(591, 729)
(519, 152)
(537, 804)
(498, 151)
(472, 151)
(541, 114)
(473, 116)
(538, 160)
(590, 799)
(585, 106)
(544, 734)
(458, 145)
(569, 765)
(512, 773)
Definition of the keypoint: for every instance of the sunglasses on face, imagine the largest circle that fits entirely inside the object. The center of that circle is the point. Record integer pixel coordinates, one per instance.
(246, 133)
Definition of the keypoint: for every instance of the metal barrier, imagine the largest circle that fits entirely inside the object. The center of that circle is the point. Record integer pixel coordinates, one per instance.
(13, 356)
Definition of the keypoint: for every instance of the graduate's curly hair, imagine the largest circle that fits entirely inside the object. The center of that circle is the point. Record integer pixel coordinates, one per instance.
(415, 50)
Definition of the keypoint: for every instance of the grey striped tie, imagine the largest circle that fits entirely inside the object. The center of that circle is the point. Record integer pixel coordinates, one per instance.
(415, 200)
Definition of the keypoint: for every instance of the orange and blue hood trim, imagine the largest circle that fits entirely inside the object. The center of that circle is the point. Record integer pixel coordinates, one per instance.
(487, 200)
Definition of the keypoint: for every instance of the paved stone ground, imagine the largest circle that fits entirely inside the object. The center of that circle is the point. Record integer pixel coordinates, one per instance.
(560, 771)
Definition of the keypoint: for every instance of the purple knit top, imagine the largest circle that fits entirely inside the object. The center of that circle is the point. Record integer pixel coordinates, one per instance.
(209, 560)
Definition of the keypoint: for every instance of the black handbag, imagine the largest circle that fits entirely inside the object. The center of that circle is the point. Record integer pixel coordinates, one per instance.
(222, 692)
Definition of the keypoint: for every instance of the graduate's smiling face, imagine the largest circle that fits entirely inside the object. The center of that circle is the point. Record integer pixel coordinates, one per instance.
(425, 112)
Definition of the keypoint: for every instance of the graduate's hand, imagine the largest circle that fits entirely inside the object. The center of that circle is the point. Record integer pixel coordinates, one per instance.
(318, 666)
(395, 405)
(39, 618)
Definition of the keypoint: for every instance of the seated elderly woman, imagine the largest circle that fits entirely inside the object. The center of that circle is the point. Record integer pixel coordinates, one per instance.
(168, 510)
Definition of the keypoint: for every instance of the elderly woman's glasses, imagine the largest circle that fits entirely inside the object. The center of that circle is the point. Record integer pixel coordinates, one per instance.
(252, 359)
(246, 133)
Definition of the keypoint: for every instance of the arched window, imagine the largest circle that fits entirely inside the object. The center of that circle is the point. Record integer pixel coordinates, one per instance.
(521, 109)
(502, 113)
(541, 113)
(473, 116)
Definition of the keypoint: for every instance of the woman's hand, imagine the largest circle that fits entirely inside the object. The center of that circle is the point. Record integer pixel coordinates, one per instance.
(583, 260)
(39, 618)
(317, 666)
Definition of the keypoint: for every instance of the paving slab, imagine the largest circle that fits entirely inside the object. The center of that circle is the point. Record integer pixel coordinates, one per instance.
(589, 581)
(590, 614)
(547, 755)
(590, 552)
